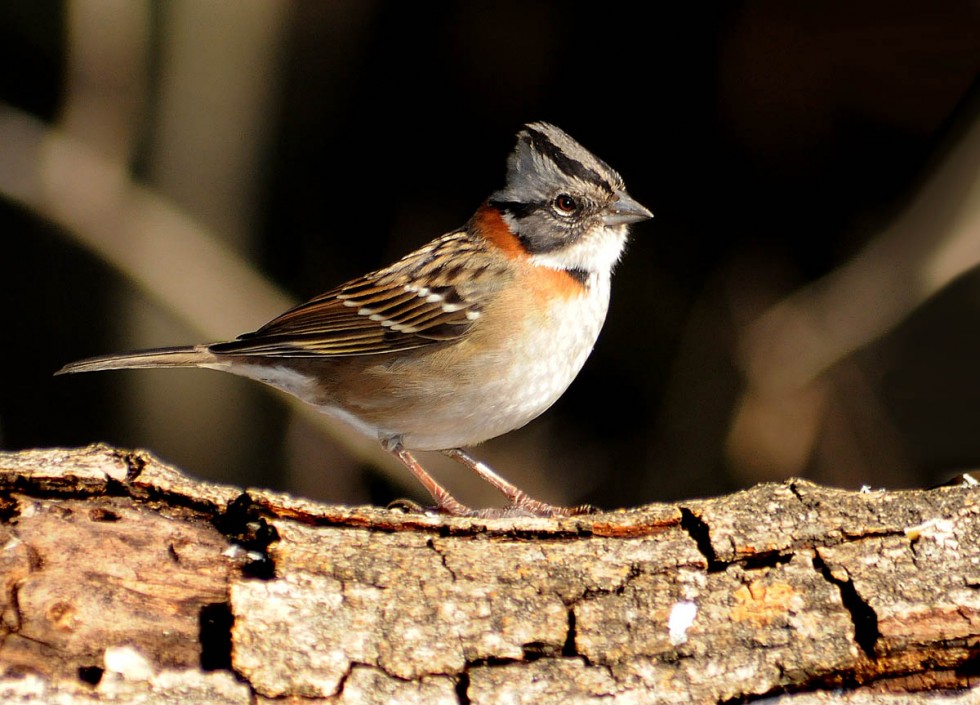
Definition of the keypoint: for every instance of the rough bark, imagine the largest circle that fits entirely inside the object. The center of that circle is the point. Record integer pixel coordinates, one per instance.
(123, 580)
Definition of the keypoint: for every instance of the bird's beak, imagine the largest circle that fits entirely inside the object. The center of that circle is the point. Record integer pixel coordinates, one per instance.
(625, 210)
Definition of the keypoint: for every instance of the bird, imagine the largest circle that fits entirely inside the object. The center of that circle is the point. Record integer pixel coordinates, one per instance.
(467, 338)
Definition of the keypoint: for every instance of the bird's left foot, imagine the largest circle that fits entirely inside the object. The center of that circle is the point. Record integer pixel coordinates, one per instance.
(527, 508)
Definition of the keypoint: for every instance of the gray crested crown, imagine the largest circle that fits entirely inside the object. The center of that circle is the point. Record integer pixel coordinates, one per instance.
(545, 156)
(560, 196)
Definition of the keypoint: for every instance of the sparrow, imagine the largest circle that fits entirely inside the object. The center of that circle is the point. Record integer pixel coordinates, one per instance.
(471, 336)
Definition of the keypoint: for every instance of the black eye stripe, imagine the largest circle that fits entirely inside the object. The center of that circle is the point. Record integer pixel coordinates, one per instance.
(522, 210)
(516, 208)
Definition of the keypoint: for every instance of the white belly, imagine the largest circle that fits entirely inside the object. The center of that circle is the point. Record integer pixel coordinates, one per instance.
(500, 388)
(514, 383)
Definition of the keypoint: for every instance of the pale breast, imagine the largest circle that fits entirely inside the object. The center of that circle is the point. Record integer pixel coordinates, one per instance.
(513, 365)
(506, 380)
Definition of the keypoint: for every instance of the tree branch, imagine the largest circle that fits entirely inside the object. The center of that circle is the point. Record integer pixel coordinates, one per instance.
(122, 578)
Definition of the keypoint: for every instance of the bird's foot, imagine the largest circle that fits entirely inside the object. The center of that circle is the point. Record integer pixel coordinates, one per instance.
(526, 508)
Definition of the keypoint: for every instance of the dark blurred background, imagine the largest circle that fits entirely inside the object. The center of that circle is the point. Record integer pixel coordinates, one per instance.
(805, 302)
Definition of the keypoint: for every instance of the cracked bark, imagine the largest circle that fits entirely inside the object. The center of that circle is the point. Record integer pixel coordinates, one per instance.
(124, 580)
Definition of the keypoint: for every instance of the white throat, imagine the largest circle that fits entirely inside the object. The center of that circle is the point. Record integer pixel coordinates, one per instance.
(596, 254)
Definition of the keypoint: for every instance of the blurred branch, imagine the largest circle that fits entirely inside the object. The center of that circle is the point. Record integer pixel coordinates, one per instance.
(936, 240)
(169, 256)
(785, 352)
(106, 77)
(214, 106)
(137, 232)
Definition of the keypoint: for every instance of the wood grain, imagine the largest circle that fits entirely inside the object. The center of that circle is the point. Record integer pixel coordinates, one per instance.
(122, 580)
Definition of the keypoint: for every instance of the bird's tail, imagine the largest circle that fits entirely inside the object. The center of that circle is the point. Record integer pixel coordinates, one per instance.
(185, 356)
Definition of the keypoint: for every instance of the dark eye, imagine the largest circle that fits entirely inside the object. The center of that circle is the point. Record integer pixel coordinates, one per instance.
(565, 204)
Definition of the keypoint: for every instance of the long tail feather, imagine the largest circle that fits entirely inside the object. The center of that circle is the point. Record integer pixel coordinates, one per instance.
(185, 356)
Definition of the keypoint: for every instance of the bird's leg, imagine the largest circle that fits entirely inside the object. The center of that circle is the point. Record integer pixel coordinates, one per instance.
(444, 501)
(517, 497)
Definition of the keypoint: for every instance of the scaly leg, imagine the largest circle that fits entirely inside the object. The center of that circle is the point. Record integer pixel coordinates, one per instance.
(444, 501)
(517, 497)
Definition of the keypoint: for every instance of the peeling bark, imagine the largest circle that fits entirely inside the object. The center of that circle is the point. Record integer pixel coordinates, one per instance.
(122, 579)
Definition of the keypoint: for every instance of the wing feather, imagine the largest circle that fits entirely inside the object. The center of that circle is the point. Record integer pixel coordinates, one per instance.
(432, 295)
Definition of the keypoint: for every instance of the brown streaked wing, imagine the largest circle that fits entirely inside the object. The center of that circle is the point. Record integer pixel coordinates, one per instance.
(420, 300)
